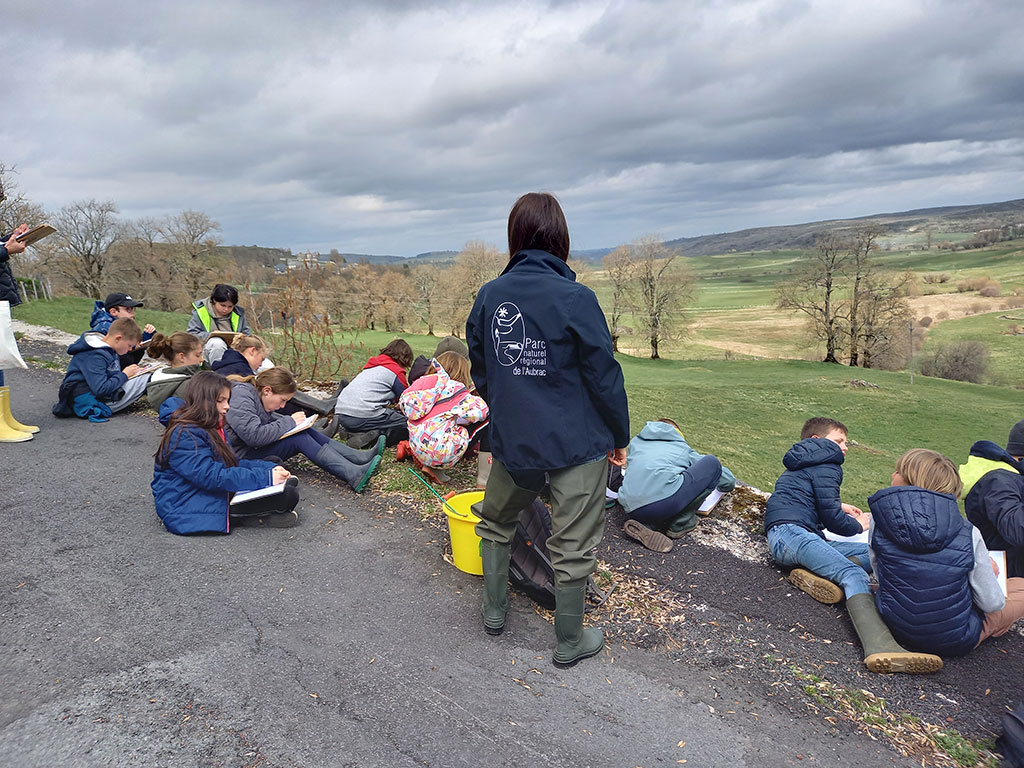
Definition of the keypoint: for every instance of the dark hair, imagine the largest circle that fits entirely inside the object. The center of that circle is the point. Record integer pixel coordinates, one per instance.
(199, 410)
(125, 327)
(537, 223)
(399, 351)
(222, 293)
(669, 421)
(169, 346)
(821, 426)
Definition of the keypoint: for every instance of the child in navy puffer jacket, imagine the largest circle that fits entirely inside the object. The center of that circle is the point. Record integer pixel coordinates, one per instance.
(937, 585)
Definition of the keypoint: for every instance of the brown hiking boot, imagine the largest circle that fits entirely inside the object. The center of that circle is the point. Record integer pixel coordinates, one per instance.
(653, 540)
(822, 590)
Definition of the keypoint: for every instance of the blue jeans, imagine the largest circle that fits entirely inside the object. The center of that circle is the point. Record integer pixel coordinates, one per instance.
(794, 546)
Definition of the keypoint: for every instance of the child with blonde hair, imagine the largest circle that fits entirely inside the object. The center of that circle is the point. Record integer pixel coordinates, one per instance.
(938, 589)
(442, 412)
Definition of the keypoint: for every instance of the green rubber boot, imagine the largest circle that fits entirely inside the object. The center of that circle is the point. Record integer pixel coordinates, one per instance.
(574, 642)
(495, 559)
(881, 651)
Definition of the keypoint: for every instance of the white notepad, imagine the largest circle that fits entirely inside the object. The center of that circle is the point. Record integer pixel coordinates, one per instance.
(259, 493)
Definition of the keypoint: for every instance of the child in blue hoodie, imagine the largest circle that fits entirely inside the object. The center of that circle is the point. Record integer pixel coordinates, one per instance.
(94, 386)
(805, 502)
(664, 482)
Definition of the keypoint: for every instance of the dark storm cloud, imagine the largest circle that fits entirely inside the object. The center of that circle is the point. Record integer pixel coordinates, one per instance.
(401, 127)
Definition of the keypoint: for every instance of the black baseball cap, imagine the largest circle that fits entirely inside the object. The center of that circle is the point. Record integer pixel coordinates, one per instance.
(120, 300)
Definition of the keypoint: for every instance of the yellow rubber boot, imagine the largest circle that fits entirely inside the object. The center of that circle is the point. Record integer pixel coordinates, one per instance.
(8, 434)
(7, 417)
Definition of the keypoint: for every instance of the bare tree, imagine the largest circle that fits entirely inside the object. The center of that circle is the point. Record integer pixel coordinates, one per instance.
(193, 238)
(619, 268)
(660, 289)
(859, 267)
(476, 264)
(427, 281)
(86, 230)
(815, 292)
(885, 317)
(396, 293)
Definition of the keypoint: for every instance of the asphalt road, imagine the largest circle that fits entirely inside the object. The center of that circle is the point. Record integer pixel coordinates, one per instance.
(346, 641)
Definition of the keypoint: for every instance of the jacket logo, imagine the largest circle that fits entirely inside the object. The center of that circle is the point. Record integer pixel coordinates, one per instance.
(508, 332)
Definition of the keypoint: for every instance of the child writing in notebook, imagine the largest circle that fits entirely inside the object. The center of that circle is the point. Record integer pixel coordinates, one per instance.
(256, 430)
(196, 473)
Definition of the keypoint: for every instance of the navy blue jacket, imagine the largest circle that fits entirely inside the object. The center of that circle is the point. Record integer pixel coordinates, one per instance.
(807, 493)
(994, 501)
(8, 286)
(95, 368)
(542, 358)
(923, 555)
(192, 493)
(233, 362)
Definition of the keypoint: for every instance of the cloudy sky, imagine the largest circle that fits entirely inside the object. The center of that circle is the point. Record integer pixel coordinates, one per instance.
(401, 127)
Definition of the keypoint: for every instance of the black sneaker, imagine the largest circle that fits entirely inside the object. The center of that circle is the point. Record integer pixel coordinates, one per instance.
(363, 440)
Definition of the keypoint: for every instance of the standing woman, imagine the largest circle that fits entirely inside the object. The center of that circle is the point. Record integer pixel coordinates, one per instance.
(11, 430)
(256, 431)
(542, 358)
(218, 312)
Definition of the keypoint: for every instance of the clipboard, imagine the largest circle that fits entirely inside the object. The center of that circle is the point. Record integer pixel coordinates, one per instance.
(228, 337)
(35, 234)
(309, 422)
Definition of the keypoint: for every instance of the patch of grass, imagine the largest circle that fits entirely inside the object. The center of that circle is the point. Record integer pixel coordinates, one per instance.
(906, 733)
(43, 363)
(71, 314)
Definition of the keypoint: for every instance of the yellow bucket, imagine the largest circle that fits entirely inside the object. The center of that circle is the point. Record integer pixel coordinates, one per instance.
(462, 527)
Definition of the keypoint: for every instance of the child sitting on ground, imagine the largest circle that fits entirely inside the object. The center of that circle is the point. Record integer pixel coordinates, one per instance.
(664, 482)
(94, 386)
(195, 471)
(257, 431)
(937, 586)
(183, 353)
(119, 305)
(806, 501)
(994, 496)
(441, 410)
(245, 357)
(362, 406)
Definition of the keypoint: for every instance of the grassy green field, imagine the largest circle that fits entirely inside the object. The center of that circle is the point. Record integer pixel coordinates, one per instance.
(748, 412)
(1006, 351)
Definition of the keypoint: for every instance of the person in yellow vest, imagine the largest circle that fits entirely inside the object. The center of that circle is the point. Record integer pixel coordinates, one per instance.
(219, 312)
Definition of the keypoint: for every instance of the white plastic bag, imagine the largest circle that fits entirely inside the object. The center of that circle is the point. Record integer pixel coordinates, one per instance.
(10, 357)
